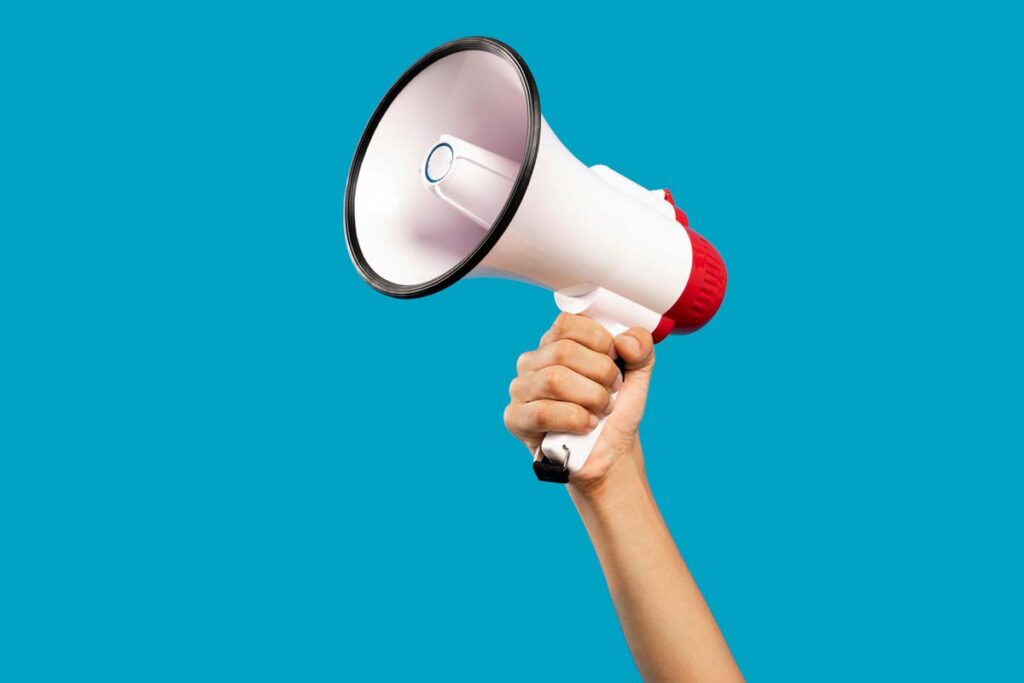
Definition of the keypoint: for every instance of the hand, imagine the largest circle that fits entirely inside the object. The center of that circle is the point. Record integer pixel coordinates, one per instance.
(566, 384)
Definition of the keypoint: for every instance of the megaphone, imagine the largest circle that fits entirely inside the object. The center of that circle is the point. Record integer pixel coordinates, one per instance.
(457, 174)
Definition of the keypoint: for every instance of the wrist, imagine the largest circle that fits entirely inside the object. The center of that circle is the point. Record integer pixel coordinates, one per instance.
(624, 480)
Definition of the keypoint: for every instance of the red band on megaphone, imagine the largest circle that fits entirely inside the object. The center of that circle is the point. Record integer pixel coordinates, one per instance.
(704, 291)
(663, 329)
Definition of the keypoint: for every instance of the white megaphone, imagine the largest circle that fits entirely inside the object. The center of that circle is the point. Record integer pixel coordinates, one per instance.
(458, 174)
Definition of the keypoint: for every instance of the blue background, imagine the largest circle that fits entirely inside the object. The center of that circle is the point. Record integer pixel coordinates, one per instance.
(225, 457)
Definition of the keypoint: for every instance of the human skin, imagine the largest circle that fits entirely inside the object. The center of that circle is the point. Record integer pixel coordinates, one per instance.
(565, 385)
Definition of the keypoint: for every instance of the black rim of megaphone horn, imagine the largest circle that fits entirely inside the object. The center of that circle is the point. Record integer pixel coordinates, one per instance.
(508, 211)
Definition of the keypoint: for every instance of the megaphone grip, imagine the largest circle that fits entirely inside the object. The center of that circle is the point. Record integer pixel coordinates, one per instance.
(575, 448)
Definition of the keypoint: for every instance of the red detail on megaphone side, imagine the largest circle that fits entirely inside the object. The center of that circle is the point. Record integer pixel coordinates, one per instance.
(663, 329)
(680, 215)
(704, 291)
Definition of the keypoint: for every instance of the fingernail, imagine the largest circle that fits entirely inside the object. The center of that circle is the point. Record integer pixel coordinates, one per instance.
(629, 343)
(593, 421)
(617, 384)
(611, 406)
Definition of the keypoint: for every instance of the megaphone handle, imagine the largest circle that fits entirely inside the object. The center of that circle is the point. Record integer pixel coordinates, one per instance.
(574, 449)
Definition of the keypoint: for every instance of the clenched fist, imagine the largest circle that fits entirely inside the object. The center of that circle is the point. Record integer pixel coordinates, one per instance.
(567, 383)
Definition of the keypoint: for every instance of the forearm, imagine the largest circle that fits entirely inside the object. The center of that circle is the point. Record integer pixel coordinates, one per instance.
(564, 386)
(669, 628)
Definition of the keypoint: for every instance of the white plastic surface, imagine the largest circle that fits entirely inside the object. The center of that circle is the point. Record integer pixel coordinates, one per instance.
(577, 225)
(652, 198)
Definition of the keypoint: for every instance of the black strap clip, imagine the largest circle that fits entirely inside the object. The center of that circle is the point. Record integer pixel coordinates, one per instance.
(550, 471)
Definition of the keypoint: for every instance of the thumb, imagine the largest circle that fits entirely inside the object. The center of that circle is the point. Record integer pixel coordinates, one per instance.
(636, 348)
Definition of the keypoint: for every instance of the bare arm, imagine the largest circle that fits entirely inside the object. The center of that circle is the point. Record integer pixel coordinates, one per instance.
(563, 386)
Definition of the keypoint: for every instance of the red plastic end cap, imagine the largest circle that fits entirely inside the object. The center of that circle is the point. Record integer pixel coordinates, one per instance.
(663, 329)
(704, 291)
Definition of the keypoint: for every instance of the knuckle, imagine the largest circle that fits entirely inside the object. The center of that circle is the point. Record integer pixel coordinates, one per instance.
(542, 414)
(561, 351)
(508, 417)
(598, 338)
(522, 360)
(563, 323)
(513, 387)
(554, 380)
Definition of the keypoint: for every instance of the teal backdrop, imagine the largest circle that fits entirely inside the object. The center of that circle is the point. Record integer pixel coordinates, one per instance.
(224, 457)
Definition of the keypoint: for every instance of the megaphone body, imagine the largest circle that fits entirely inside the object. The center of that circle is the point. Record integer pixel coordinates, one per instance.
(458, 174)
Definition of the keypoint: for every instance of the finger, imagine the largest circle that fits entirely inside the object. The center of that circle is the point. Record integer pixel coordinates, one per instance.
(593, 365)
(559, 383)
(636, 347)
(539, 417)
(581, 329)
